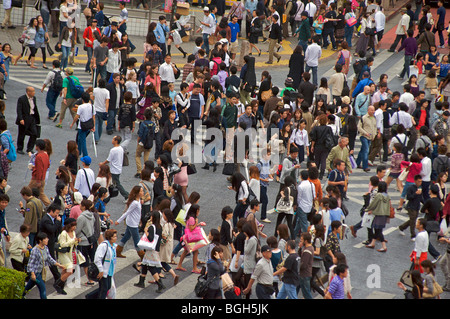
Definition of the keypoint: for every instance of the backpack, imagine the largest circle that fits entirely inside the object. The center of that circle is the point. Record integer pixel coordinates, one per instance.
(12, 155)
(148, 143)
(428, 146)
(106, 21)
(358, 66)
(404, 148)
(57, 83)
(341, 60)
(293, 10)
(75, 89)
(214, 70)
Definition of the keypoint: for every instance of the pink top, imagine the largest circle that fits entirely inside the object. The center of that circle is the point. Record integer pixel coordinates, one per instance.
(414, 170)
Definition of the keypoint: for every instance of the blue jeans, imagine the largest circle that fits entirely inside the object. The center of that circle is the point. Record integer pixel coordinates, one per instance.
(50, 101)
(314, 72)
(81, 141)
(407, 63)
(363, 154)
(99, 119)
(303, 44)
(301, 224)
(205, 45)
(100, 70)
(287, 290)
(89, 52)
(348, 35)
(131, 232)
(111, 122)
(65, 56)
(61, 26)
(40, 283)
(305, 286)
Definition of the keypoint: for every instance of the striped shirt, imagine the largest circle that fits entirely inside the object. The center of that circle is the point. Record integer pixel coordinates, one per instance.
(336, 288)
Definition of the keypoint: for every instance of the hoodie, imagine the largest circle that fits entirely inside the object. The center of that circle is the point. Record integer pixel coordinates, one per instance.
(85, 227)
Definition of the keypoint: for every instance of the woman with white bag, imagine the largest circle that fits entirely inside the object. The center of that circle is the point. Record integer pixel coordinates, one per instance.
(176, 34)
(152, 261)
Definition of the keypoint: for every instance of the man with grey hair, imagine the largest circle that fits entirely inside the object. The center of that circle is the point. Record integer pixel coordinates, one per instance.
(342, 152)
(367, 127)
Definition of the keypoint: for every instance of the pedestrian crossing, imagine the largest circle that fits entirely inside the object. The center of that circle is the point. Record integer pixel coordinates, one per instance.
(35, 77)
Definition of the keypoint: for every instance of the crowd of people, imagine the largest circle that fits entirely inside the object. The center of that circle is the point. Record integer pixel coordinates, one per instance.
(310, 130)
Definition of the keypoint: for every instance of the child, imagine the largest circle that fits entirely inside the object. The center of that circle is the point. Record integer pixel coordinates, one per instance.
(132, 85)
(172, 93)
(300, 139)
(126, 118)
(223, 75)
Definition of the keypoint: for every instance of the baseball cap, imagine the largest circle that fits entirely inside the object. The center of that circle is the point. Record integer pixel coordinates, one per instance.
(77, 197)
(206, 9)
(223, 40)
(265, 248)
(69, 70)
(86, 160)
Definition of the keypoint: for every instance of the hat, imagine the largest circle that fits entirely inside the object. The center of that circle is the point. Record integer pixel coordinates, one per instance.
(223, 41)
(289, 81)
(206, 9)
(265, 248)
(69, 70)
(345, 100)
(115, 23)
(86, 160)
(77, 197)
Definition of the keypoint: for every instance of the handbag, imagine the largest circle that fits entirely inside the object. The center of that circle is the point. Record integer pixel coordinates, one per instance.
(125, 161)
(173, 169)
(202, 285)
(352, 20)
(367, 220)
(89, 124)
(181, 217)
(284, 205)
(113, 191)
(265, 95)
(353, 161)
(191, 169)
(437, 290)
(92, 272)
(404, 174)
(146, 244)
(16, 3)
(91, 239)
(391, 211)
(194, 235)
(61, 250)
(49, 49)
(227, 282)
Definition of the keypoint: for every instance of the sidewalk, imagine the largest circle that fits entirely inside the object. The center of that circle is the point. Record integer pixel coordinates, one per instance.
(11, 36)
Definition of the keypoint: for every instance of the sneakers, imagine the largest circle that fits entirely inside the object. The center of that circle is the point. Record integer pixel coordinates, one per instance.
(401, 232)
(266, 220)
(413, 239)
(59, 125)
(437, 259)
(370, 163)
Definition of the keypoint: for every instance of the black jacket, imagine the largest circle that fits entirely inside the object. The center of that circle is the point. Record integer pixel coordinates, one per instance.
(276, 32)
(23, 113)
(111, 87)
(52, 229)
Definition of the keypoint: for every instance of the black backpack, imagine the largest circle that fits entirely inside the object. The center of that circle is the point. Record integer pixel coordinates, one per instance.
(358, 65)
(57, 83)
(148, 142)
(294, 8)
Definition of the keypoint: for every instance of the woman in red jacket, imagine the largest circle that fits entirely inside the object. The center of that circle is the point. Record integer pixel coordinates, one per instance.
(414, 167)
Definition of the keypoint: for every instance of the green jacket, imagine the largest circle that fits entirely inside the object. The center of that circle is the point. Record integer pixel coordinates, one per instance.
(229, 115)
(380, 205)
(304, 31)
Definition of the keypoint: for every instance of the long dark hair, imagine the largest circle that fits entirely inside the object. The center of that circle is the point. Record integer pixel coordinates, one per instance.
(156, 219)
(236, 180)
(192, 212)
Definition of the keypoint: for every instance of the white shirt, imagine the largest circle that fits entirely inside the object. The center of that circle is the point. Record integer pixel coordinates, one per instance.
(426, 169)
(166, 73)
(379, 117)
(299, 137)
(380, 20)
(401, 117)
(133, 214)
(100, 97)
(404, 22)
(313, 54)
(305, 196)
(311, 9)
(211, 22)
(80, 181)
(85, 112)
(114, 61)
(421, 243)
(115, 159)
(406, 98)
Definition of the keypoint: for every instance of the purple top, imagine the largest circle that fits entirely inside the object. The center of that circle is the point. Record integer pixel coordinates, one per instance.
(410, 46)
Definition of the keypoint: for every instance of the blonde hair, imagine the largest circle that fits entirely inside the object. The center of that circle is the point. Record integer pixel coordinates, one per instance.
(130, 75)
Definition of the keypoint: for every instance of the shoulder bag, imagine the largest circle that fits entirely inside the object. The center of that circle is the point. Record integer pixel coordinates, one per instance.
(284, 205)
(93, 272)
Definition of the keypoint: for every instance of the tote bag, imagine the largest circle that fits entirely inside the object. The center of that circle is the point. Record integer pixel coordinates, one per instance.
(145, 244)
(181, 216)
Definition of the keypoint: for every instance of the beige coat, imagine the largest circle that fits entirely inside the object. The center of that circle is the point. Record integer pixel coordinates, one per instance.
(66, 241)
(18, 244)
(166, 249)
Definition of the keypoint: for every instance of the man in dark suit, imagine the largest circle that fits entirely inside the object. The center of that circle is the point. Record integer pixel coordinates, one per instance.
(52, 226)
(28, 120)
(115, 89)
